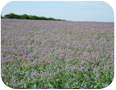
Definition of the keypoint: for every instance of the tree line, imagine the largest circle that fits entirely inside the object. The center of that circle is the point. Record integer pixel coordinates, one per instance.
(32, 17)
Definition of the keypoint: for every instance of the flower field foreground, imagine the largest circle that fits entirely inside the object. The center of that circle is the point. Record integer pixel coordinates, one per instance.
(57, 54)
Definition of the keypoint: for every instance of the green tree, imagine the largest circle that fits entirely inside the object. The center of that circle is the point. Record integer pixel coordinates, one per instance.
(42, 18)
(1, 16)
(50, 18)
(12, 15)
(24, 16)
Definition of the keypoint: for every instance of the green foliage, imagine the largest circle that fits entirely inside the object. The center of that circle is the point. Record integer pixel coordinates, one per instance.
(1, 16)
(39, 43)
(12, 16)
(25, 16)
(63, 79)
(70, 32)
(50, 18)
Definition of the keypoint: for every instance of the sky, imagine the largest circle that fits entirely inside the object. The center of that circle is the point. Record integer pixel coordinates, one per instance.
(98, 11)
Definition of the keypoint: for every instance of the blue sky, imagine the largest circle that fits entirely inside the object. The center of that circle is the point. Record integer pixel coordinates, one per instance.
(69, 10)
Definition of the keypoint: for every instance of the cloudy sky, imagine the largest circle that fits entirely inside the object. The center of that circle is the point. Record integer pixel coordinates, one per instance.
(69, 10)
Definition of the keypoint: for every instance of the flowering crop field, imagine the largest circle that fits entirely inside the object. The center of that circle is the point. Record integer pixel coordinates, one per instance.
(57, 54)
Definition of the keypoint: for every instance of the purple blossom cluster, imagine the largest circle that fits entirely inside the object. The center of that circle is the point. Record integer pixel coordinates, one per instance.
(61, 54)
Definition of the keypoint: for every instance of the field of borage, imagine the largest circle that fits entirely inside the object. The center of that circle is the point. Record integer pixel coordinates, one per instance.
(56, 54)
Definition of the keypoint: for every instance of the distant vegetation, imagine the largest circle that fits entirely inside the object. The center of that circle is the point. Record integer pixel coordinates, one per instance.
(32, 17)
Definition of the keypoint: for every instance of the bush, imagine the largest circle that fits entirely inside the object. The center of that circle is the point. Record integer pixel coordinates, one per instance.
(25, 16)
